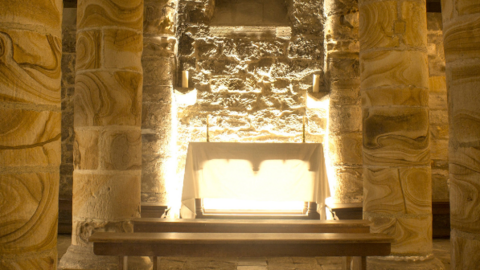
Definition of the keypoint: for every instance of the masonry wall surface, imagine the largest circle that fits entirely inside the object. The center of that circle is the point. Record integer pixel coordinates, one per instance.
(250, 78)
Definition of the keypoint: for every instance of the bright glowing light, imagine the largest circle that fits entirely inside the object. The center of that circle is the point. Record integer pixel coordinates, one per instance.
(172, 184)
(244, 205)
(187, 99)
(314, 103)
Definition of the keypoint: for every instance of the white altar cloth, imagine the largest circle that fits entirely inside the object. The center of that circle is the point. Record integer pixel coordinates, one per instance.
(255, 171)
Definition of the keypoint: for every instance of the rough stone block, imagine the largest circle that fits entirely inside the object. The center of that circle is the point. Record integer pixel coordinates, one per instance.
(29, 138)
(106, 196)
(462, 39)
(438, 84)
(464, 199)
(465, 250)
(465, 7)
(412, 236)
(159, 17)
(347, 184)
(439, 131)
(156, 115)
(68, 70)
(37, 261)
(120, 149)
(386, 68)
(89, 50)
(342, 68)
(28, 15)
(345, 92)
(158, 71)
(395, 97)
(416, 188)
(345, 119)
(29, 212)
(31, 67)
(414, 14)
(83, 228)
(305, 48)
(439, 185)
(69, 39)
(122, 49)
(104, 98)
(340, 27)
(100, 13)
(86, 149)
(378, 19)
(383, 191)
(346, 149)
(439, 117)
(439, 149)
(437, 101)
(463, 102)
(158, 94)
(402, 140)
(158, 47)
(434, 21)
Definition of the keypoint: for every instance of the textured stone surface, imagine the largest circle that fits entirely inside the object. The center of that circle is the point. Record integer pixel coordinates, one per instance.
(461, 28)
(251, 86)
(30, 151)
(158, 61)
(107, 147)
(396, 148)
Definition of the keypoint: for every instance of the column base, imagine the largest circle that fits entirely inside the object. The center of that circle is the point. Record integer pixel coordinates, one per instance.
(78, 257)
(403, 263)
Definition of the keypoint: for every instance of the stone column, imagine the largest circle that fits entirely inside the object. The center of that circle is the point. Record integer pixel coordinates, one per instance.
(107, 124)
(461, 32)
(396, 153)
(158, 60)
(30, 116)
(345, 116)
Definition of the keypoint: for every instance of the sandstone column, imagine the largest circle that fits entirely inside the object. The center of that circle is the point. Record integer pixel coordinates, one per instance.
(107, 120)
(345, 116)
(30, 115)
(158, 60)
(461, 24)
(396, 154)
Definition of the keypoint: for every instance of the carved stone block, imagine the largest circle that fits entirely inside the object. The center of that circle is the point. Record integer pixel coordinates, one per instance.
(104, 98)
(387, 68)
(106, 196)
(124, 13)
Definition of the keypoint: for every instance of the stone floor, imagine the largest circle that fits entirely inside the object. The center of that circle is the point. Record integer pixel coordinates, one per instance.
(441, 249)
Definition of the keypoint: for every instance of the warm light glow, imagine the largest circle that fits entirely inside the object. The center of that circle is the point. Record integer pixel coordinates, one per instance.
(246, 205)
(173, 182)
(314, 103)
(187, 99)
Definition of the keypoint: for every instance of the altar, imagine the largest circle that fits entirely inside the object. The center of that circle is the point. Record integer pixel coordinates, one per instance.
(255, 171)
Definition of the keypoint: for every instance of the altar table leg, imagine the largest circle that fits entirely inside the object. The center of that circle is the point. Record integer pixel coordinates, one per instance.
(363, 265)
(155, 264)
(123, 263)
(347, 263)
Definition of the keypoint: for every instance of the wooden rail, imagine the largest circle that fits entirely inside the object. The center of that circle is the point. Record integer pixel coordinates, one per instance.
(240, 245)
(250, 226)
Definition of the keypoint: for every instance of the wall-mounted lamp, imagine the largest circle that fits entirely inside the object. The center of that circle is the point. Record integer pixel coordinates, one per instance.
(316, 83)
(185, 79)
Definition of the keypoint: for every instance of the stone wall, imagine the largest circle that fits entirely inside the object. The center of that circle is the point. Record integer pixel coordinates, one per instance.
(438, 108)
(251, 81)
(276, 73)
